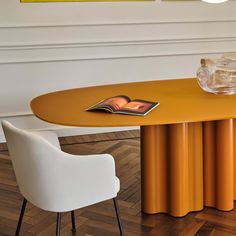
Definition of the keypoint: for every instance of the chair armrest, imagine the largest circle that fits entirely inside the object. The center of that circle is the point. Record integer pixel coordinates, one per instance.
(78, 181)
(92, 172)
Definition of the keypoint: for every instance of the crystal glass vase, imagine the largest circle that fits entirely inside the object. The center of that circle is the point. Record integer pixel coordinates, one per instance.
(218, 76)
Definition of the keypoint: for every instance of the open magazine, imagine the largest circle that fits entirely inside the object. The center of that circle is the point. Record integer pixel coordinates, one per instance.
(123, 104)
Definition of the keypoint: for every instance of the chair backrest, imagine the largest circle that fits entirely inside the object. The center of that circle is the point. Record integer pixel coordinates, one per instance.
(33, 158)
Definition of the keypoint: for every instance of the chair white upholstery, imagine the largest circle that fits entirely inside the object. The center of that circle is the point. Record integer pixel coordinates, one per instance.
(50, 136)
(54, 180)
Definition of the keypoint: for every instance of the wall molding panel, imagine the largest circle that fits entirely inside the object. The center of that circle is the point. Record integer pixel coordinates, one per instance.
(115, 50)
(172, 21)
(27, 44)
(108, 33)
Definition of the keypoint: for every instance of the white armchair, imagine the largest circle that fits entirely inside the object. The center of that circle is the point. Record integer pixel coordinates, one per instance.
(57, 181)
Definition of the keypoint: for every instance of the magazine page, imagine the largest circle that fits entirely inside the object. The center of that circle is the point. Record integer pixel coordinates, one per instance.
(111, 104)
(138, 107)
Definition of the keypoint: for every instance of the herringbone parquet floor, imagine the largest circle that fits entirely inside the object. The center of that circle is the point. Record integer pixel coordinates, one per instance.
(100, 219)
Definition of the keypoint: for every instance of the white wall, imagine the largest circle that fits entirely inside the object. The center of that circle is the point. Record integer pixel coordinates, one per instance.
(50, 46)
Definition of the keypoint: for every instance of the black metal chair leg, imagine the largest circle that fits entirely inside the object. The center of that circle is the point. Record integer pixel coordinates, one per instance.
(21, 217)
(118, 217)
(58, 224)
(73, 221)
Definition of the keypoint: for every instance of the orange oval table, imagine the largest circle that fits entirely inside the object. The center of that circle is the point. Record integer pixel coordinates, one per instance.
(188, 157)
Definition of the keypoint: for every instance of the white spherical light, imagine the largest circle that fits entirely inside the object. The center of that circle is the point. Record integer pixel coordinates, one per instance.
(214, 1)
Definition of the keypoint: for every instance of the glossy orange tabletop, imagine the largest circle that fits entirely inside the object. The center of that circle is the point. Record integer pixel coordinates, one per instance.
(181, 100)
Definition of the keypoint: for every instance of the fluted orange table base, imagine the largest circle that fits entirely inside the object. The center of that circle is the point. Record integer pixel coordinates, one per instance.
(187, 166)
